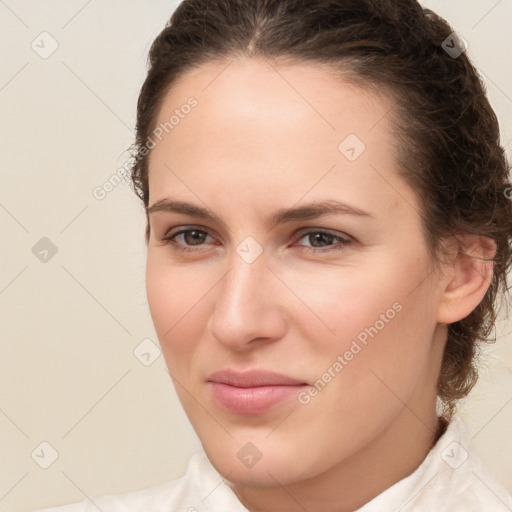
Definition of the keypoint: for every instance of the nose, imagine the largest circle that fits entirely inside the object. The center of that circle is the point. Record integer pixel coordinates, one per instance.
(249, 306)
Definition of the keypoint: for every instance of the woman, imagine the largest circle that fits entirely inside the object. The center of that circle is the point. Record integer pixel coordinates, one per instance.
(328, 232)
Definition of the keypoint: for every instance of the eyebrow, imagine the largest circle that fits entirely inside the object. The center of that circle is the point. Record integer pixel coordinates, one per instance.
(284, 215)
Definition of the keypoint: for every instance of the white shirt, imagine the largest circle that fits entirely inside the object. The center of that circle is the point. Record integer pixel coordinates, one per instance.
(451, 478)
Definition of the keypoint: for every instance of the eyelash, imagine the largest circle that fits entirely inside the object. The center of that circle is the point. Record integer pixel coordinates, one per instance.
(175, 246)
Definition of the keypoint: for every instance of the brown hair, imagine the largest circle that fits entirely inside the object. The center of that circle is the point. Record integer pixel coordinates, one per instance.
(446, 131)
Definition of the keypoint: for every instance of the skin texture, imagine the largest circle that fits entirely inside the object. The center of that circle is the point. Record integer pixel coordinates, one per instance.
(263, 137)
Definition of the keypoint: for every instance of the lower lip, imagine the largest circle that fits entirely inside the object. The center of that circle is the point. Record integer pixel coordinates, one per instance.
(251, 400)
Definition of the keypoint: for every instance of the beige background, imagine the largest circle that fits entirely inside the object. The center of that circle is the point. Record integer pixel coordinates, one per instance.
(69, 326)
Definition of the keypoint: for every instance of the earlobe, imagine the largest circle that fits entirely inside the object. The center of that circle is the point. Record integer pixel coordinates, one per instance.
(468, 279)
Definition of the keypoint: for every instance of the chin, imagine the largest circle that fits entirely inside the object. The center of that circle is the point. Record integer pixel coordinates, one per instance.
(260, 463)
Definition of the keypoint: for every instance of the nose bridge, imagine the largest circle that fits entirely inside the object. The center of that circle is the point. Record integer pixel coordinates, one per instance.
(247, 263)
(245, 284)
(243, 310)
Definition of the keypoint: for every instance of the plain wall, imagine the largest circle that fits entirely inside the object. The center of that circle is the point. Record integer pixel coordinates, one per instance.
(69, 325)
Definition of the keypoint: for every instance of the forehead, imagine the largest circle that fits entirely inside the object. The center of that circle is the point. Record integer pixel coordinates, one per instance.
(266, 97)
(260, 126)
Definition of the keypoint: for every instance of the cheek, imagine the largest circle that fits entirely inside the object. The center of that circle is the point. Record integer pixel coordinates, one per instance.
(374, 318)
(371, 366)
(176, 296)
(336, 304)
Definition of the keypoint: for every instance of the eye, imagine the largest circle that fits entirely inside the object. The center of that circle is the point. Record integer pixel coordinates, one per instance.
(190, 238)
(324, 237)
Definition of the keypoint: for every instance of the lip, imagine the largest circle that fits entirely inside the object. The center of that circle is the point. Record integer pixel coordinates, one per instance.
(253, 391)
(252, 378)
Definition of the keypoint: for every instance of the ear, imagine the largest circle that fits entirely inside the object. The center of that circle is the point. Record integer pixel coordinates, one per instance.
(469, 272)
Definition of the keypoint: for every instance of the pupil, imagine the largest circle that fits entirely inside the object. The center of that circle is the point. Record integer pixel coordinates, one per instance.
(319, 236)
(198, 237)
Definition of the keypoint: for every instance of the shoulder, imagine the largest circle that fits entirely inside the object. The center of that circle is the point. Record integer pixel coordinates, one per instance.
(194, 492)
(473, 487)
(452, 478)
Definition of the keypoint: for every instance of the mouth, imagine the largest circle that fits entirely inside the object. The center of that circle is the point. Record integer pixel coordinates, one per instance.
(252, 392)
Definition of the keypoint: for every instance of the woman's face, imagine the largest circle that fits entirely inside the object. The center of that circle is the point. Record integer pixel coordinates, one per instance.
(287, 160)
